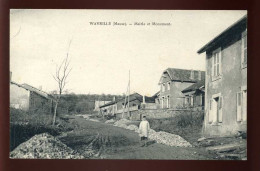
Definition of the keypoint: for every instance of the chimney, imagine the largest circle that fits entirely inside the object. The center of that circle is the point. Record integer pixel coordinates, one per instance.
(199, 75)
(144, 99)
(114, 98)
(191, 74)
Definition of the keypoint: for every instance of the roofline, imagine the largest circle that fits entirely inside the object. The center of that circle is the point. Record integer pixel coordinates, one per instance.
(205, 47)
(166, 70)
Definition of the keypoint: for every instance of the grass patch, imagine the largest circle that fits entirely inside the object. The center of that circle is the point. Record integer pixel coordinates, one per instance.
(187, 124)
(24, 125)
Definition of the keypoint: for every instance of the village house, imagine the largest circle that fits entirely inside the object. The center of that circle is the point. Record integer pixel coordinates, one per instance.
(226, 81)
(28, 98)
(99, 103)
(195, 95)
(172, 82)
(136, 102)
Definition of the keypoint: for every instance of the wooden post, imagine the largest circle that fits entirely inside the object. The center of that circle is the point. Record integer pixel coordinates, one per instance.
(128, 95)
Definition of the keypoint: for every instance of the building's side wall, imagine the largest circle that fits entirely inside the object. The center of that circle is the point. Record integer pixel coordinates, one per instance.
(176, 97)
(231, 81)
(19, 97)
(39, 103)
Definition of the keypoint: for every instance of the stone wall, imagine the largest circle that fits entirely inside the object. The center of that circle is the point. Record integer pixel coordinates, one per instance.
(150, 113)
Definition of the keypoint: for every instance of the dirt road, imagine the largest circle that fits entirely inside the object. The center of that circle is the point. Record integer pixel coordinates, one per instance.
(109, 142)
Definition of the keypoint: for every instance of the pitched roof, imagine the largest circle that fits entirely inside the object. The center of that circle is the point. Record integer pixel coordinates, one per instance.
(194, 86)
(184, 74)
(231, 30)
(108, 104)
(132, 97)
(37, 91)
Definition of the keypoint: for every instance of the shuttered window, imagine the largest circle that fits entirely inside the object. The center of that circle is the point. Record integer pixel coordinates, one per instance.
(220, 106)
(216, 64)
(244, 49)
(210, 111)
(239, 113)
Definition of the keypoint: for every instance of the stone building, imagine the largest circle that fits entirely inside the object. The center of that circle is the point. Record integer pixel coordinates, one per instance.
(226, 81)
(172, 82)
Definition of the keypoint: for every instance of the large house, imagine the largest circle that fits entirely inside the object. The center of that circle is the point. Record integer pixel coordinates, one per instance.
(226, 81)
(172, 82)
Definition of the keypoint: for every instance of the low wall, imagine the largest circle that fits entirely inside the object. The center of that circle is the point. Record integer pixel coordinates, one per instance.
(151, 113)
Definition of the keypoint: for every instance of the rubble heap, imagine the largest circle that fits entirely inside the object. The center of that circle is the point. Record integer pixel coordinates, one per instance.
(110, 121)
(133, 128)
(122, 123)
(169, 139)
(160, 137)
(44, 146)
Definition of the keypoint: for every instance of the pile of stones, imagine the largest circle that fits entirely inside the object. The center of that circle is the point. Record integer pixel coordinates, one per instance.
(159, 137)
(44, 146)
(169, 139)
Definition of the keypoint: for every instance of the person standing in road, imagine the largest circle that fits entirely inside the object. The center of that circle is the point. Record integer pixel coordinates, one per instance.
(144, 130)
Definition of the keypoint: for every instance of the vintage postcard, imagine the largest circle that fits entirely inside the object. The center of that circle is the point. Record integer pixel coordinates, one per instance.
(128, 84)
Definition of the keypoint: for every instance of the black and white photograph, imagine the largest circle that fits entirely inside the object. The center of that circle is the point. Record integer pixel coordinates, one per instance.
(128, 84)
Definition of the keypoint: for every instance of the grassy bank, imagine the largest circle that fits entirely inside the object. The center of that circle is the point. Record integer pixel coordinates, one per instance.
(24, 125)
(187, 124)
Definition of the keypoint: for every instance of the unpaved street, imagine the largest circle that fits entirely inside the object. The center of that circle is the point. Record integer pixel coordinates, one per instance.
(110, 142)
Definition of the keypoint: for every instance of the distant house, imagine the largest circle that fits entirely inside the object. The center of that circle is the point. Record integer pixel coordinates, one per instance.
(28, 98)
(194, 95)
(226, 81)
(99, 103)
(136, 102)
(172, 82)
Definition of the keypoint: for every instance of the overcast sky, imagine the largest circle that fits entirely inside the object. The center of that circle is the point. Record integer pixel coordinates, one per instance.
(101, 56)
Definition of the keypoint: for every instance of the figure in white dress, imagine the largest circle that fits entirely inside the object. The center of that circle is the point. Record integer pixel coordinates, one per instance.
(144, 130)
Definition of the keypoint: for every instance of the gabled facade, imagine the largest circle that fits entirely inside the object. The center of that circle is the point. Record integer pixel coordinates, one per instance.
(226, 81)
(172, 82)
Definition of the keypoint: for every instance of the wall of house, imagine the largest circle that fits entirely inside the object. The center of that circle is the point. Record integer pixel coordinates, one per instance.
(19, 97)
(39, 103)
(232, 80)
(176, 96)
(198, 99)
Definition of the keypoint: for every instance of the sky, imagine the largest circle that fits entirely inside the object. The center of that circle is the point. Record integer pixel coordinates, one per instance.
(101, 56)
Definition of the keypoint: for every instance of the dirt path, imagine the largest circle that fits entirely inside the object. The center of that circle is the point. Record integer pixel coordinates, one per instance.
(109, 142)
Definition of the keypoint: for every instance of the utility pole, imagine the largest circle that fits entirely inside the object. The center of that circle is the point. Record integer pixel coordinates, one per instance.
(128, 94)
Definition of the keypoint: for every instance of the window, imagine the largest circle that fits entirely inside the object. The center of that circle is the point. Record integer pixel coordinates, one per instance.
(163, 87)
(242, 106)
(169, 85)
(187, 101)
(191, 101)
(162, 102)
(244, 49)
(168, 102)
(215, 109)
(216, 64)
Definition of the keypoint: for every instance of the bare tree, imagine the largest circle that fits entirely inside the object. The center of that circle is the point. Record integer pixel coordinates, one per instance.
(62, 73)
